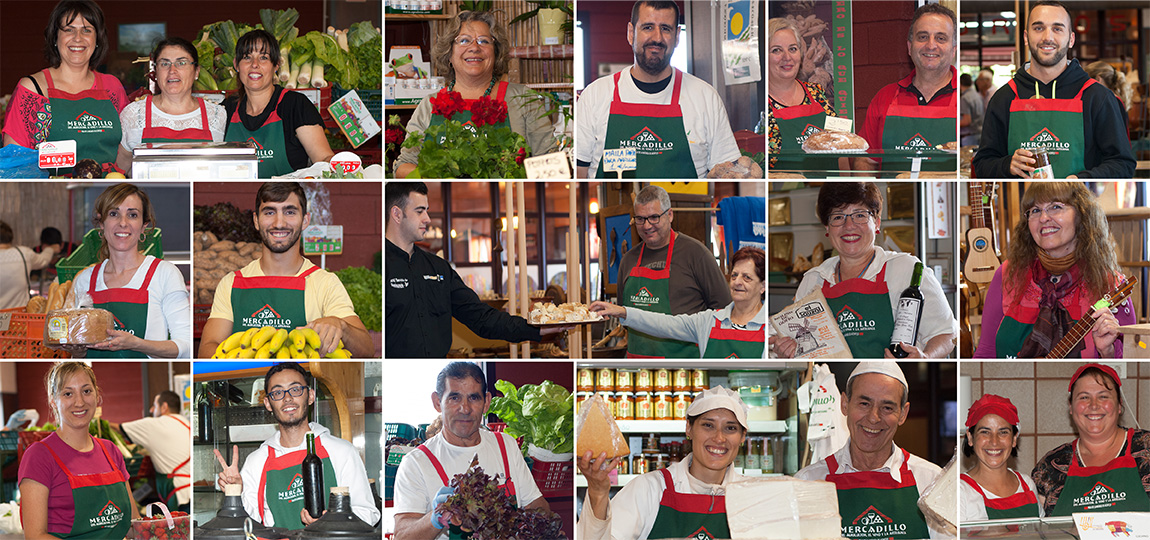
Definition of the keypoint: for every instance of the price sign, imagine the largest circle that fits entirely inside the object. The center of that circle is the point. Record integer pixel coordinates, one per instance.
(346, 162)
(619, 159)
(5, 319)
(323, 240)
(56, 154)
(551, 166)
(835, 123)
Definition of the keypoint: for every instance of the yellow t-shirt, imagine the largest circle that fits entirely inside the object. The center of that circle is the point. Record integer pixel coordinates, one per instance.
(323, 295)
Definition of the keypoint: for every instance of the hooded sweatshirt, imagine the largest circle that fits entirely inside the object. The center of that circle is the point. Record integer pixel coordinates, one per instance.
(1107, 151)
(349, 471)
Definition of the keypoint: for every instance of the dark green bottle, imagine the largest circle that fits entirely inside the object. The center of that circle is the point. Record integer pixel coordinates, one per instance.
(312, 480)
(907, 315)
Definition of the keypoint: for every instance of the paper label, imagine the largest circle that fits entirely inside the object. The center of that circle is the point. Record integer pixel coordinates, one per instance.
(836, 123)
(1111, 525)
(323, 239)
(906, 318)
(619, 159)
(5, 319)
(57, 328)
(346, 162)
(548, 166)
(55, 154)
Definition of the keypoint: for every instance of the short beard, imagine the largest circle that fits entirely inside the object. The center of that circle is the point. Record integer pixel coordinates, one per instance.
(265, 237)
(1059, 56)
(294, 423)
(653, 67)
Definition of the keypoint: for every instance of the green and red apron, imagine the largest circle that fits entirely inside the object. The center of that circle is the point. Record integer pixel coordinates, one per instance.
(129, 309)
(919, 128)
(875, 506)
(1017, 506)
(1055, 124)
(1020, 311)
(734, 342)
(88, 117)
(100, 500)
(281, 485)
(1113, 487)
(276, 301)
(656, 132)
(689, 515)
(796, 123)
(269, 140)
(165, 483)
(508, 487)
(862, 310)
(464, 116)
(650, 290)
(153, 134)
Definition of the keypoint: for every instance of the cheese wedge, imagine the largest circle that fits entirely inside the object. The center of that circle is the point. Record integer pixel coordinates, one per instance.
(597, 431)
(940, 503)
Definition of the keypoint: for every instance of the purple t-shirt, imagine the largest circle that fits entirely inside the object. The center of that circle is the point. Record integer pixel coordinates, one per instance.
(39, 465)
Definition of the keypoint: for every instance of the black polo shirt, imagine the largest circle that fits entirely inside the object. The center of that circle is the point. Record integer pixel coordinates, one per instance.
(423, 294)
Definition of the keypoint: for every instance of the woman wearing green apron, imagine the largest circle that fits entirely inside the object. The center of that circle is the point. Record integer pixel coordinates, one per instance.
(1103, 469)
(285, 128)
(147, 296)
(70, 100)
(73, 485)
(990, 489)
(685, 500)
(798, 108)
(863, 282)
(736, 331)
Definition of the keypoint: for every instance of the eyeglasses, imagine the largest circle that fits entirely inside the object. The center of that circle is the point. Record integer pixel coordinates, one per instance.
(654, 220)
(860, 217)
(70, 31)
(295, 391)
(180, 63)
(483, 41)
(1053, 210)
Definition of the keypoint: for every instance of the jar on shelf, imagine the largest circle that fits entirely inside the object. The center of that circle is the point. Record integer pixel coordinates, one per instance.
(754, 458)
(700, 380)
(580, 397)
(664, 406)
(663, 380)
(640, 465)
(624, 465)
(605, 380)
(624, 405)
(624, 381)
(662, 461)
(585, 380)
(681, 380)
(651, 443)
(768, 455)
(609, 399)
(644, 406)
(682, 401)
(644, 380)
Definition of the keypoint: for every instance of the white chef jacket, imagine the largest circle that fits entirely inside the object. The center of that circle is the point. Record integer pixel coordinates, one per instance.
(971, 506)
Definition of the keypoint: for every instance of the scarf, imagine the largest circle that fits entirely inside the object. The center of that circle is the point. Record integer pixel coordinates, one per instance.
(1059, 265)
(1053, 320)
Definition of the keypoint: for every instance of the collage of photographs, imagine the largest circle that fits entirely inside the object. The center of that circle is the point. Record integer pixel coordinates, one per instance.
(357, 269)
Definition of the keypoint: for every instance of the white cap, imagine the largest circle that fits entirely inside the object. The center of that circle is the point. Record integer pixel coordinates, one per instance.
(719, 398)
(887, 368)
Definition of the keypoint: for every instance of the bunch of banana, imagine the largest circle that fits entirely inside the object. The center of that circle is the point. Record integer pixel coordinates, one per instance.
(270, 342)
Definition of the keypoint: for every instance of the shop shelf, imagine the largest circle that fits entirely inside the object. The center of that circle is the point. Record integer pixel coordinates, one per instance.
(676, 426)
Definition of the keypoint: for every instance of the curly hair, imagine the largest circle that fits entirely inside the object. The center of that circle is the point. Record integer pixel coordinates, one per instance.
(839, 194)
(778, 24)
(445, 43)
(1113, 79)
(1092, 236)
(110, 199)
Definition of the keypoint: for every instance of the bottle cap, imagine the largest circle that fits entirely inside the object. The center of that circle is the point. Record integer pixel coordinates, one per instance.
(340, 490)
(233, 490)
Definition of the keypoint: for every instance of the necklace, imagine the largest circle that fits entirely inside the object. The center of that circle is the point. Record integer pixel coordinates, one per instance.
(839, 268)
(485, 92)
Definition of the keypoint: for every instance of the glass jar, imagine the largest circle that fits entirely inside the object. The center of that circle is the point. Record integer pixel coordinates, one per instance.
(644, 381)
(580, 397)
(681, 380)
(624, 465)
(661, 461)
(640, 465)
(664, 406)
(585, 381)
(682, 401)
(644, 406)
(609, 400)
(700, 380)
(651, 443)
(662, 380)
(624, 406)
(605, 380)
(624, 381)
(754, 459)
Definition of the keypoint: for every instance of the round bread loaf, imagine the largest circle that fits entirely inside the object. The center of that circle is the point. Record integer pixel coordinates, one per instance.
(84, 326)
(835, 141)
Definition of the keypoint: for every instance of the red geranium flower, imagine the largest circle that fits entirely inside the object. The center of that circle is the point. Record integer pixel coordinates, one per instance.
(395, 135)
(486, 111)
(520, 155)
(447, 103)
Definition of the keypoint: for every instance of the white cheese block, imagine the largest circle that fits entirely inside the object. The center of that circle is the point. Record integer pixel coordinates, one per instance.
(782, 508)
(940, 503)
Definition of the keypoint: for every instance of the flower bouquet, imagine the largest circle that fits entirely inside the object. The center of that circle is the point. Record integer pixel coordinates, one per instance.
(482, 147)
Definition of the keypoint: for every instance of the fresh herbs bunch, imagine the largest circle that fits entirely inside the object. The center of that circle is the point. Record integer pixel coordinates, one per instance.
(485, 510)
(483, 147)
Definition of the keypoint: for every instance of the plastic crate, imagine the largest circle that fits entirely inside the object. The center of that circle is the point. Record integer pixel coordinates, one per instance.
(24, 337)
(554, 478)
(389, 472)
(9, 440)
(403, 431)
(85, 255)
(200, 314)
(372, 99)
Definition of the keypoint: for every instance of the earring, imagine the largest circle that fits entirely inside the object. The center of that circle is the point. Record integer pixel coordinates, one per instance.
(143, 238)
(828, 235)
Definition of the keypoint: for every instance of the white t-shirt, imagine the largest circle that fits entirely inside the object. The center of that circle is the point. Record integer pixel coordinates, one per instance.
(166, 439)
(169, 310)
(971, 506)
(133, 116)
(417, 481)
(704, 118)
(15, 270)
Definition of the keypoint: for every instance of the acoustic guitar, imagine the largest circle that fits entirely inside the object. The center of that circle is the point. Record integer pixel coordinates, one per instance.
(1083, 326)
(981, 261)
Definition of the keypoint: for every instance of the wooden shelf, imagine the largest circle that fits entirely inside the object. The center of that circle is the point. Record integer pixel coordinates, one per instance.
(676, 426)
(581, 481)
(400, 107)
(548, 86)
(415, 17)
(544, 52)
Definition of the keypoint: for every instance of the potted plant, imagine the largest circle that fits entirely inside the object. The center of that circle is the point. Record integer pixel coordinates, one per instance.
(554, 23)
(482, 147)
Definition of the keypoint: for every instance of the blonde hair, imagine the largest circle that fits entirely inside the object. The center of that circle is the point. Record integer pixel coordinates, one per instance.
(1095, 249)
(780, 23)
(110, 199)
(59, 374)
(1113, 79)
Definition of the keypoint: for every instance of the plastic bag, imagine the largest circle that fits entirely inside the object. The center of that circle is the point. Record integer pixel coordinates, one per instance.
(19, 162)
(85, 326)
(939, 502)
(603, 434)
(827, 427)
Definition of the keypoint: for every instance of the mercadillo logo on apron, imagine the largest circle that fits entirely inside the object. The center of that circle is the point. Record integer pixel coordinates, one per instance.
(646, 141)
(701, 534)
(261, 152)
(89, 123)
(266, 316)
(294, 491)
(873, 524)
(853, 324)
(1100, 496)
(109, 516)
(1046, 139)
(917, 142)
(809, 130)
(117, 325)
(644, 297)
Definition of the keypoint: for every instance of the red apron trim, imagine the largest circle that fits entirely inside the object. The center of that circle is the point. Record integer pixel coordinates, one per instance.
(273, 117)
(923, 111)
(1073, 105)
(797, 111)
(735, 334)
(870, 479)
(273, 282)
(280, 463)
(508, 486)
(121, 294)
(97, 92)
(88, 480)
(204, 133)
(173, 474)
(671, 110)
(1004, 503)
(640, 271)
(1126, 460)
(693, 503)
(858, 285)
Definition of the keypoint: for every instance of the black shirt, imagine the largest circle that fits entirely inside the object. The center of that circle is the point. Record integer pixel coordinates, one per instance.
(423, 294)
(295, 110)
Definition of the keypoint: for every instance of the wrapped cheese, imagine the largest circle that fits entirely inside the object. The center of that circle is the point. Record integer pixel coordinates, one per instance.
(597, 431)
(782, 508)
(940, 502)
(84, 326)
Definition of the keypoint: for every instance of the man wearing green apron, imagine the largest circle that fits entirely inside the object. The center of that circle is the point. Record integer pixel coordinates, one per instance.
(1053, 104)
(878, 483)
(271, 481)
(675, 121)
(666, 261)
(161, 434)
(422, 482)
(282, 289)
(916, 115)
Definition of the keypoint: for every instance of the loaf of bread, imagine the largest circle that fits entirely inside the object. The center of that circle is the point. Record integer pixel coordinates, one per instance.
(84, 326)
(37, 304)
(597, 431)
(835, 141)
(950, 146)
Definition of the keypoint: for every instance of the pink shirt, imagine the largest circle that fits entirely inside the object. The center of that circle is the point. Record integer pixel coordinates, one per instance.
(28, 117)
(38, 464)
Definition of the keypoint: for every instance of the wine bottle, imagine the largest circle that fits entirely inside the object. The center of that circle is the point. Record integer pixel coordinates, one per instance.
(907, 315)
(204, 411)
(312, 480)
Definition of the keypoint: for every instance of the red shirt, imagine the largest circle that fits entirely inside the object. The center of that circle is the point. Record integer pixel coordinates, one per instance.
(900, 93)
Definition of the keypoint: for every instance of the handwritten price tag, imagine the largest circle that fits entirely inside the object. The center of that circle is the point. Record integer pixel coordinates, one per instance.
(551, 166)
(55, 154)
(619, 159)
(835, 123)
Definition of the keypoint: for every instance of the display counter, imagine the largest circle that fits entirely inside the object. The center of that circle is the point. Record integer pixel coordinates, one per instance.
(1021, 529)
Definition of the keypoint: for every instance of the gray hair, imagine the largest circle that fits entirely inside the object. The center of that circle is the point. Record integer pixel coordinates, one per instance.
(653, 193)
(850, 384)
